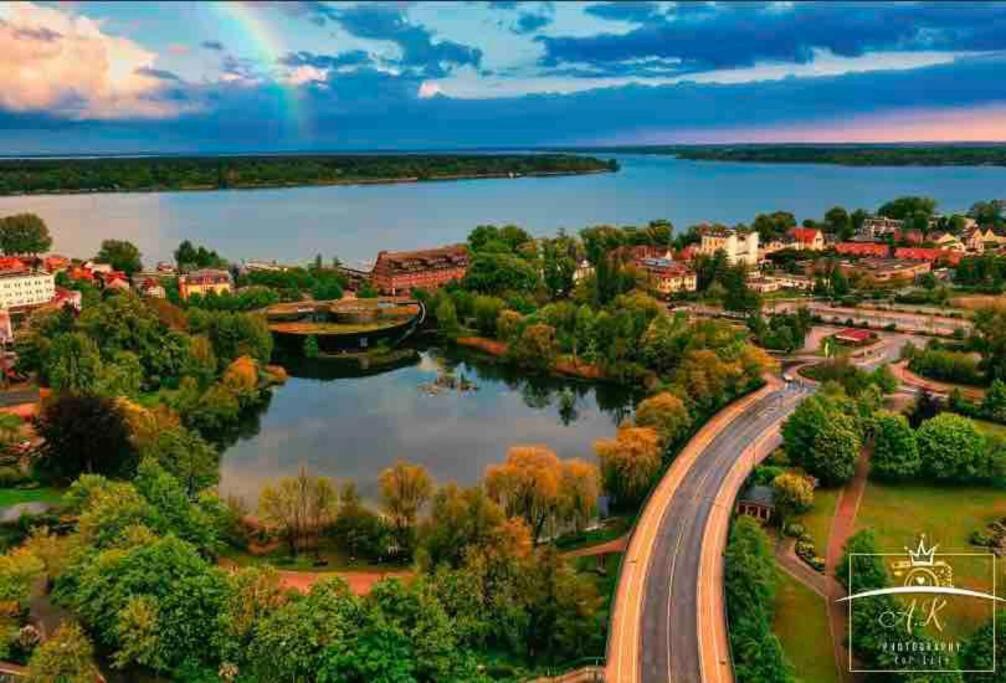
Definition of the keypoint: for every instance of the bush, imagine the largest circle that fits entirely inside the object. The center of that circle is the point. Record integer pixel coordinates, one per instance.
(795, 530)
(12, 476)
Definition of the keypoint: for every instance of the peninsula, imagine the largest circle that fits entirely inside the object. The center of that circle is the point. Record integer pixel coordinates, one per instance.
(175, 173)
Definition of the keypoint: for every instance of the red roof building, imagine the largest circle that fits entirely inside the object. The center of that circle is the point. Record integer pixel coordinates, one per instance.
(11, 264)
(851, 335)
(81, 273)
(55, 263)
(862, 249)
(807, 238)
(927, 254)
(399, 272)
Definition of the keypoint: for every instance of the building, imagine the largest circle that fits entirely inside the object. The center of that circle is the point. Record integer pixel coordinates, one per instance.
(876, 227)
(667, 275)
(883, 270)
(151, 287)
(21, 287)
(583, 270)
(81, 274)
(763, 284)
(202, 282)
(113, 279)
(945, 240)
(55, 263)
(739, 246)
(165, 268)
(807, 239)
(68, 297)
(399, 272)
(757, 501)
(874, 249)
(928, 254)
(853, 337)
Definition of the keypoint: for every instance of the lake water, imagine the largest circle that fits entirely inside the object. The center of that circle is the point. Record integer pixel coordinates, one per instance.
(352, 428)
(354, 222)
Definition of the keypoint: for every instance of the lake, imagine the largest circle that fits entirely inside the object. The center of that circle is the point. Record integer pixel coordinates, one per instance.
(351, 428)
(354, 222)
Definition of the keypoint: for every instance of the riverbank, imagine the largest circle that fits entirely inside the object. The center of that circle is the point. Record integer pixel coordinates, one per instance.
(562, 366)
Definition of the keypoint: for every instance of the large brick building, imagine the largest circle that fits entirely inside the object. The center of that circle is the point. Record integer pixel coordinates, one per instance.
(399, 272)
(202, 282)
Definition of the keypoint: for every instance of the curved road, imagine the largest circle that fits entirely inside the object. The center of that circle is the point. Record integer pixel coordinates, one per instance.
(656, 625)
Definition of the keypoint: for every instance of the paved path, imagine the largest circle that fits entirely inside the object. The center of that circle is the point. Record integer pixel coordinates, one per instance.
(789, 562)
(909, 378)
(617, 545)
(665, 625)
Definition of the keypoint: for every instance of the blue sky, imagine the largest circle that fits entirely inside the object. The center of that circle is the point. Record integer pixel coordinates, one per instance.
(105, 77)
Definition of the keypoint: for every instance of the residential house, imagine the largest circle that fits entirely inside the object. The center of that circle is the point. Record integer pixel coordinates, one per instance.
(876, 227)
(152, 287)
(929, 254)
(874, 249)
(886, 270)
(945, 240)
(55, 263)
(757, 501)
(807, 239)
(202, 282)
(402, 271)
(667, 275)
(739, 246)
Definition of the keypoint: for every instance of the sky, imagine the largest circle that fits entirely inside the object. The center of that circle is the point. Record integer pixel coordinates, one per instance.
(104, 77)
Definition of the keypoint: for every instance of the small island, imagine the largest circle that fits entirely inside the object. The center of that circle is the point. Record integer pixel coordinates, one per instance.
(176, 173)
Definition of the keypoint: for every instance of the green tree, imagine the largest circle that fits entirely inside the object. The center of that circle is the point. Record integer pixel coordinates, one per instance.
(311, 349)
(993, 405)
(905, 207)
(84, 433)
(405, 489)
(73, 363)
(535, 348)
(121, 255)
(952, 449)
(24, 233)
(447, 317)
(121, 376)
(793, 493)
(299, 507)
(667, 414)
(895, 450)
(487, 311)
(839, 222)
(187, 456)
(823, 437)
(495, 273)
(65, 657)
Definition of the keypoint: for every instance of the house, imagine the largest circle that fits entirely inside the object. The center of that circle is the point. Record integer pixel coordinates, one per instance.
(152, 287)
(876, 227)
(55, 263)
(22, 287)
(853, 337)
(808, 239)
(402, 271)
(978, 240)
(757, 501)
(884, 270)
(165, 268)
(204, 281)
(945, 240)
(874, 249)
(96, 267)
(667, 275)
(113, 279)
(928, 254)
(739, 246)
(81, 274)
(68, 297)
(583, 269)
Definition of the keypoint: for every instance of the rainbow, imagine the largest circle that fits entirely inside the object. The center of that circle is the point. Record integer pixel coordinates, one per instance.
(268, 48)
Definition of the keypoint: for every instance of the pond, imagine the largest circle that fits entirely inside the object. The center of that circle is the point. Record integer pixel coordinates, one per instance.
(351, 428)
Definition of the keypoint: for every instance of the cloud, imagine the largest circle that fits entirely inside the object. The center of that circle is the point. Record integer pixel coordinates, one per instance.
(212, 45)
(419, 49)
(725, 35)
(64, 64)
(529, 23)
(305, 58)
(162, 74)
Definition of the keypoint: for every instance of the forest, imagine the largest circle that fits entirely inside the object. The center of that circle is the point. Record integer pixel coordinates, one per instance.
(152, 174)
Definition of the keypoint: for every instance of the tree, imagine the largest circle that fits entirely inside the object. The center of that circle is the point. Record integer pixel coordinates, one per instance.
(84, 433)
(993, 406)
(579, 489)
(66, 657)
(630, 462)
(73, 363)
(895, 450)
(952, 449)
(405, 488)
(665, 413)
(508, 324)
(527, 485)
(358, 530)
(24, 233)
(497, 273)
(839, 222)
(535, 348)
(121, 255)
(447, 317)
(300, 507)
(793, 493)
(186, 456)
(822, 436)
(904, 208)
(460, 518)
(487, 311)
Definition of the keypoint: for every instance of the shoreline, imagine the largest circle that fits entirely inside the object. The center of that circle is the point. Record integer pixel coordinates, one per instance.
(333, 183)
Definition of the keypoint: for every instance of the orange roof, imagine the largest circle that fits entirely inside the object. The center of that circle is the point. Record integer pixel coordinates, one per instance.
(928, 254)
(804, 235)
(862, 248)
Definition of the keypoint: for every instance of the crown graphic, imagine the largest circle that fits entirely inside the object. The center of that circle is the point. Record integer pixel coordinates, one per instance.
(922, 556)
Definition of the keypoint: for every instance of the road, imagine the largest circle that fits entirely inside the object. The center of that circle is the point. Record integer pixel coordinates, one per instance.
(655, 633)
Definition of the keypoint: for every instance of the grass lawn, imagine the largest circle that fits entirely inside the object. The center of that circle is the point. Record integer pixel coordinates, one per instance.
(817, 520)
(946, 515)
(991, 428)
(41, 494)
(801, 622)
(612, 528)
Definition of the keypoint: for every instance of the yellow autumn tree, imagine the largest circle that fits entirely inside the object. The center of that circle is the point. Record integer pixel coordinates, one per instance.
(579, 489)
(665, 413)
(527, 485)
(630, 462)
(298, 507)
(405, 488)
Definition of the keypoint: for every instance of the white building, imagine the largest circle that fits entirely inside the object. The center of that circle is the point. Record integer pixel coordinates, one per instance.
(740, 247)
(26, 288)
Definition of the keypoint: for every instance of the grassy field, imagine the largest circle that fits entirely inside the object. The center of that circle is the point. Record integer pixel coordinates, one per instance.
(946, 515)
(991, 428)
(332, 559)
(801, 622)
(43, 494)
(817, 520)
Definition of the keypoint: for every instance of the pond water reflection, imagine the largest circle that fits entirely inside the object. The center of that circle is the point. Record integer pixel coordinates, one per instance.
(350, 428)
